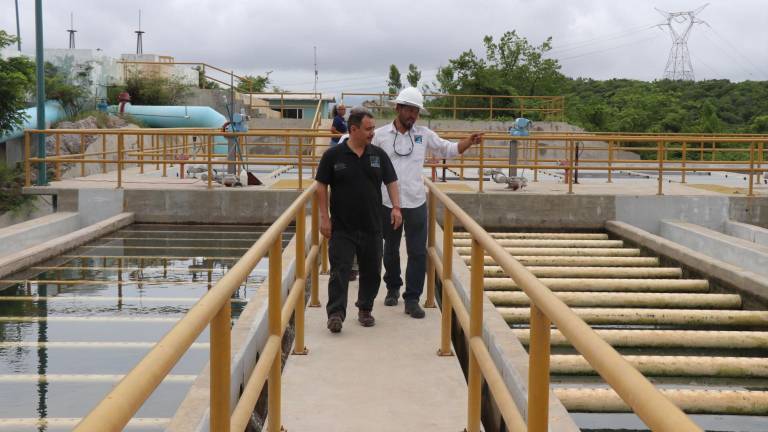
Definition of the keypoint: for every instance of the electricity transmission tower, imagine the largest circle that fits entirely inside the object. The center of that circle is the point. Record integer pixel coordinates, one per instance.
(72, 30)
(139, 42)
(679, 65)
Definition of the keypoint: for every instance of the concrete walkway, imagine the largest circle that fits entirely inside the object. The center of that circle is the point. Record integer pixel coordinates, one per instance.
(382, 378)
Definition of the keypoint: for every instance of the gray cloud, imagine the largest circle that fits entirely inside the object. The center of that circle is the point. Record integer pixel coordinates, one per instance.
(356, 42)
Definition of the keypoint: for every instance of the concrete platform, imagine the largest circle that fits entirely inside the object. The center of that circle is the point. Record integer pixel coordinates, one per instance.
(382, 378)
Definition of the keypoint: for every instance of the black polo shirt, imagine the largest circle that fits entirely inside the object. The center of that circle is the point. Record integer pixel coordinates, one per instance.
(355, 185)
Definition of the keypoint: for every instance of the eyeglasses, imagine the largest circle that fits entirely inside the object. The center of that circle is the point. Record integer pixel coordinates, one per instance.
(403, 151)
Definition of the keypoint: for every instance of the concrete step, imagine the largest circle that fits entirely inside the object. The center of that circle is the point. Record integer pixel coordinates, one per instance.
(676, 366)
(736, 402)
(526, 235)
(577, 261)
(628, 300)
(593, 272)
(640, 316)
(666, 338)
(561, 251)
(602, 284)
(550, 243)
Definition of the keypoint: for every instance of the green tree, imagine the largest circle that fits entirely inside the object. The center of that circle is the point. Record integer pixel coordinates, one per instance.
(254, 84)
(414, 75)
(760, 124)
(709, 123)
(394, 82)
(152, 89)
(71, 91)
(17, 80)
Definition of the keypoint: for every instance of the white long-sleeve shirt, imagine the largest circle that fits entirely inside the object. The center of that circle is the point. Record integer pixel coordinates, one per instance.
(408, 164)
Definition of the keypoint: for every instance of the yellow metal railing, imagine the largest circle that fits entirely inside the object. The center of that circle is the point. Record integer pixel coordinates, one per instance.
(546, 309)
(674, 153)
(214, 308)
(494, 106)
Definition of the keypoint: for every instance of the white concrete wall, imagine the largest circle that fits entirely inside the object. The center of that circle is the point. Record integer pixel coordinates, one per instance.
(647, 212)
(27, 234)
(732, 250)
(752, 233)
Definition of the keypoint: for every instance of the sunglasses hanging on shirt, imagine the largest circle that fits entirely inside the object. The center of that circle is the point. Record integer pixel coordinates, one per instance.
(403, 149)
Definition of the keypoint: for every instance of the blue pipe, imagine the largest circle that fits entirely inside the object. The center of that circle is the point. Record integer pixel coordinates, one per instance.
(165, 116)
(53, 112)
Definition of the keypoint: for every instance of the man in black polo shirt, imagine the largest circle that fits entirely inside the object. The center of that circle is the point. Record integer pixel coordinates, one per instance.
(355, 170)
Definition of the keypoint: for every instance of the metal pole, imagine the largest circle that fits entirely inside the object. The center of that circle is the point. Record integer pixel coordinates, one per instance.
(274, 316)
(538, 371)
(536, 160)
(751, 168)
(445, 333)
(432, 222)
(660, 156)
(474, 377)
(18, 27)
(610, 162)
(120, 161)
(570, 149)
(315, 287)
(482, 160)
(220, 352)
(685, 156)
(298, 347)
(40, 69)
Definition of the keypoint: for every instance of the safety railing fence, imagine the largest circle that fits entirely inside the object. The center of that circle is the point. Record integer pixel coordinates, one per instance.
(214, 309)
(659, 155)
(490, 107)
(546, 310)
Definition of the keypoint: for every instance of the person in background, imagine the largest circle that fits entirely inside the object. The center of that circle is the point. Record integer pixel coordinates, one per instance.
(407, 145)
(339, 125)
(356, 172)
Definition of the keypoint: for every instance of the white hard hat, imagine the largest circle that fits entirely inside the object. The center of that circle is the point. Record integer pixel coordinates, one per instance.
(410, 96)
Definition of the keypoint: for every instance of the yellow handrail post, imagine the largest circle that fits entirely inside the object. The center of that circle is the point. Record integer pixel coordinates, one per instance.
(684, 156)
(445, 332)
(538, 371)
(165, 155)
(751, 168)
(536, 160)
(481, 177)
(141, 153)
(571, 149)
(220, 353)
(298, 345)
(314, 300)
(490, 116)
(119, 161)
(27, 162)
(300, 156)
(610, 161)
(209, 143)
(274, 315)
(474, 376)
(660, 156)
(82, 153)
(759, 161)
(454, 107)
(432, 223)
(57, 165)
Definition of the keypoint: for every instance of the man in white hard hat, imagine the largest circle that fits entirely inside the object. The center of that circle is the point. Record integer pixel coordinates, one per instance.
(407, 145)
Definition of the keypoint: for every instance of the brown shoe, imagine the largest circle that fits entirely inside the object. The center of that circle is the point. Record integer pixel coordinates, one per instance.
(335, 323)
(366, 319)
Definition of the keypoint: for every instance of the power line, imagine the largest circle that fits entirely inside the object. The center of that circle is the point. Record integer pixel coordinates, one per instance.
(601, 39)
(608, 49)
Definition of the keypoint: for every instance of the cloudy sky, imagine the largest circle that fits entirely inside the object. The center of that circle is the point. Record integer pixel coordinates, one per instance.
(357, 41)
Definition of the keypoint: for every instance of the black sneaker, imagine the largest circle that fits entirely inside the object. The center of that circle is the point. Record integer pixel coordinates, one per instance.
(413, 309)
(365, 318)
(334, 323)
(391, 298)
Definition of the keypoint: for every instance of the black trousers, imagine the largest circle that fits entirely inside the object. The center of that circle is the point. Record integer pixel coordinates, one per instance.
(415, 226)
(342, 248)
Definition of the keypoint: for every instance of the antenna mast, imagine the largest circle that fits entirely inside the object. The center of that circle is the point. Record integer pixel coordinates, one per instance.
(679, 65)
(139, 43)
(72, 30)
